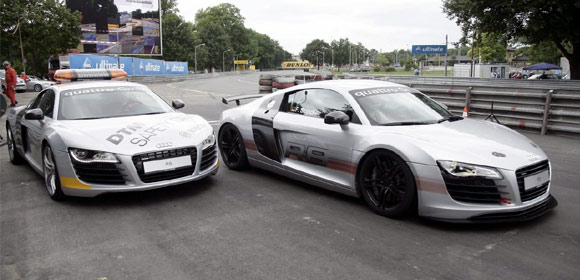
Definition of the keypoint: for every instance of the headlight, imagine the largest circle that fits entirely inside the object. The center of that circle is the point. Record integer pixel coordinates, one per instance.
(460, 169)
(209, 141)
(88, 156)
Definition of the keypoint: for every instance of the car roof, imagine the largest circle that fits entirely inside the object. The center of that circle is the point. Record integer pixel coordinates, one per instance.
(90, 84)
(347, 85)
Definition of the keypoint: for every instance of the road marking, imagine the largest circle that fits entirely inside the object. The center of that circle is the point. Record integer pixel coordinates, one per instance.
(252, 83)
(191, 90)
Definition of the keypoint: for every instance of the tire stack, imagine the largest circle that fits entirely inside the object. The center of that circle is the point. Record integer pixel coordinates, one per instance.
(284, 82)
(265, 83)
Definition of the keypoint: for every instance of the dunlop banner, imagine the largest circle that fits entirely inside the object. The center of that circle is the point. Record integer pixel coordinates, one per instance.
(296, 64)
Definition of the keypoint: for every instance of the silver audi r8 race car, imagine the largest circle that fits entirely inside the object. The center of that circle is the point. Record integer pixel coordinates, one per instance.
(395, 147)
(36, 84)
(93, 137)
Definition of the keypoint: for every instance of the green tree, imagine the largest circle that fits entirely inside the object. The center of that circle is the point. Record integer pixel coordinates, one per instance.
(490, 47)
(266, 53)
(314, 50)
(341, 49)
(178, 40)
(543, 52)
(534, 22)
(221, 29)
(48, 27)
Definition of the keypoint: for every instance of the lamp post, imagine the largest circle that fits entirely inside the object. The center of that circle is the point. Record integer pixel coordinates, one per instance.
(195, 56)
(224, 60)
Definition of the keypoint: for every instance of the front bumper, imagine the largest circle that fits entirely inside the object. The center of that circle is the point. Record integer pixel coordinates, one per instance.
(435, 202)
(72, 185)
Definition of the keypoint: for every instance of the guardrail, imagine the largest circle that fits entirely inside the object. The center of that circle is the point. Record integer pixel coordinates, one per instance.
(545, 106)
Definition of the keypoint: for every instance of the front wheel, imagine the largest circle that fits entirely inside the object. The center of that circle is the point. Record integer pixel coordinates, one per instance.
(232, 147)
(51, 178)
(37, 88)
(15, 157)
(387, 184)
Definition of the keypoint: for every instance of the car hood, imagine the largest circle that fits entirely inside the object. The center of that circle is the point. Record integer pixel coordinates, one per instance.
(136, 134)
(473, 141)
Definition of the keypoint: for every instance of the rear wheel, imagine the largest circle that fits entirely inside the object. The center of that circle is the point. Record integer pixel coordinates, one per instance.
(232, 147)
(387, 184)
(37, 88)
(15, 157)
(50, 172)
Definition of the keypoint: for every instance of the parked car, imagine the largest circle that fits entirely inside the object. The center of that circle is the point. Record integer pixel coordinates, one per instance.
(20, 83)
(33, 83)
(398, 149)
(93, 137)
(544, 76)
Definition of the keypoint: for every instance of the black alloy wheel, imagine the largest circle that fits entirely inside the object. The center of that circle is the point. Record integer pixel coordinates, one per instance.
(387, 184)
(232, 148)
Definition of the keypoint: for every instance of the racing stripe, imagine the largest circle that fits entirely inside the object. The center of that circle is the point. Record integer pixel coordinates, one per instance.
(341, 165)
(250, 145)
(73, 183)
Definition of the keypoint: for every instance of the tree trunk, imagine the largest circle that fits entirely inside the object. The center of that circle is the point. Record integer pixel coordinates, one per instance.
(574, 61)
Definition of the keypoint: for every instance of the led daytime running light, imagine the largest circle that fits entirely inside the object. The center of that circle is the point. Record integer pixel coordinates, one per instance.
(87, 156)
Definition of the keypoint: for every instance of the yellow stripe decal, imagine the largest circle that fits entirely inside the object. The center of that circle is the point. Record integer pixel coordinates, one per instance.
(73, 183)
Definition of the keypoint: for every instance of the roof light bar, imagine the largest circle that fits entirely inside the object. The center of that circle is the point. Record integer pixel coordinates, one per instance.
(89, 74)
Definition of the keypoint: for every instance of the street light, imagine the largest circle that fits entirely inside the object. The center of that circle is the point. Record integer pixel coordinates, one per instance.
(224, 60)
(195, 56)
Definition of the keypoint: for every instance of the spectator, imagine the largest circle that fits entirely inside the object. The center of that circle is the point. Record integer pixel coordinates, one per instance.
(24, 77)
(10, 83)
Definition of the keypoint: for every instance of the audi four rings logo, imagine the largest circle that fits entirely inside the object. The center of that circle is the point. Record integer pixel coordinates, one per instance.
(164, 145)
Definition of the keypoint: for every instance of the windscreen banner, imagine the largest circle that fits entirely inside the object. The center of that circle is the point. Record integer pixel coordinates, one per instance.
(175, 68)
(148, 67)
(119, 26)
(84, 61)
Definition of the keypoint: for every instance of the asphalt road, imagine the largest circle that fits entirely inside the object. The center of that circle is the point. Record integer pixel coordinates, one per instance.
(257, 225)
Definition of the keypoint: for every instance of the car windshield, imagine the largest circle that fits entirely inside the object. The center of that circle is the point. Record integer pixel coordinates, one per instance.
(109, 102)
(400, 106)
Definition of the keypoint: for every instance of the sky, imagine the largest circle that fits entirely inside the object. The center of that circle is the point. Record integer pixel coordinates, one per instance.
(380, 24)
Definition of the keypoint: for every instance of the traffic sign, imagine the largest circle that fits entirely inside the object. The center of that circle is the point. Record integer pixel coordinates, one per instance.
(429, 49)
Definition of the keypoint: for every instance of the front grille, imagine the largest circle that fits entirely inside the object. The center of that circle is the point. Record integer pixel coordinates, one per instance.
(528, 171)
(208, 157)
(472, 190)
(98, 173)
(166, 174)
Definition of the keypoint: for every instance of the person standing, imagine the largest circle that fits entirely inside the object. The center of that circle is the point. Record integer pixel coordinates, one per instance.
(10, 83)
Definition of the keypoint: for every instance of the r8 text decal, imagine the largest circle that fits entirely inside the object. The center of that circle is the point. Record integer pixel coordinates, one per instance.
(310, 154)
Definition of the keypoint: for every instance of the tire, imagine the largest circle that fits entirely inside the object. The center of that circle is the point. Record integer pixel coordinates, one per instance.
(283, 80)
(266, 76)
(38, 88)
(15, 157)
(265, 82)
(232, 148)
(50, 175)
(392, 194)
(284, 85)
(265, 88)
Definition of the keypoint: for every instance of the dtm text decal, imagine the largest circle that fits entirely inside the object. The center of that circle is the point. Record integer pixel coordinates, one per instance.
(380, 90)
(139, 134)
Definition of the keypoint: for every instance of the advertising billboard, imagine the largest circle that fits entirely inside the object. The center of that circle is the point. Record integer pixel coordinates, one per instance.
(119, 26)
(84, 61)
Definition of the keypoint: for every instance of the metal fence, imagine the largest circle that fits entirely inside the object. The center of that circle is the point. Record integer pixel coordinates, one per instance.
(545, 106)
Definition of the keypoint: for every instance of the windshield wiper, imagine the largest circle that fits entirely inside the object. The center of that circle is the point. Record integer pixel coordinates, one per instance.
(152, 113)
(450, 119)
(405, 123)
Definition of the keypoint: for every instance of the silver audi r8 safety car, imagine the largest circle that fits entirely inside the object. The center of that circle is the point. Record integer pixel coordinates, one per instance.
(395, 147)
(93, 137)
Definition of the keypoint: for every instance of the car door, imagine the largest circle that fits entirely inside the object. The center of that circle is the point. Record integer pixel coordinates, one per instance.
(33, 130)
(311, 147)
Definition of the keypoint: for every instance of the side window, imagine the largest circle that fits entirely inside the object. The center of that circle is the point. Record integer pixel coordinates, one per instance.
(317, 103)
(46, 103)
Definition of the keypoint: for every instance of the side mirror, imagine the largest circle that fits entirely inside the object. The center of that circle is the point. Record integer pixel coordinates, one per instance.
(177, 104)
(336, 117)
(34, 114)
